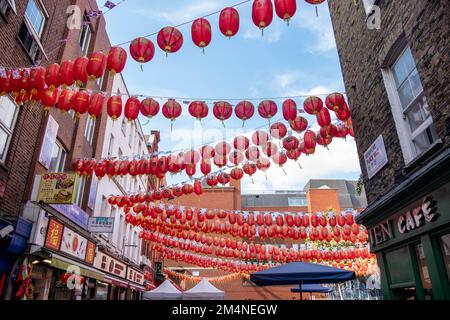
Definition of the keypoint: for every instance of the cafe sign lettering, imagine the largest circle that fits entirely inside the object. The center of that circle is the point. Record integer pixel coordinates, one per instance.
(405, 223)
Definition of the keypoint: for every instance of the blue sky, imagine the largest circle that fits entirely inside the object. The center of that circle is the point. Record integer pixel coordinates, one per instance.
(299, 59)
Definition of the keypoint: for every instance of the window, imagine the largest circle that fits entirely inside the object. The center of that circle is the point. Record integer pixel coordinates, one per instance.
(410, 104)
(28, 41)
(71, 113)
(58, 158)
(445, 244)
(297, 202)
(131, 136)
(35, 17)
(80, 191)
(85, 35)
(8, 111)
(90, 127)
(4, 6)
(100, 81)
(111, 146)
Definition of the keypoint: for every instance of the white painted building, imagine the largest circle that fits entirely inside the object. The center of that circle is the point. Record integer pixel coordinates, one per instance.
(122, 139)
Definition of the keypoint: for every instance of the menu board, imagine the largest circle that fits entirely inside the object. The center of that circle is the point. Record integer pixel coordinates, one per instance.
(57, 188)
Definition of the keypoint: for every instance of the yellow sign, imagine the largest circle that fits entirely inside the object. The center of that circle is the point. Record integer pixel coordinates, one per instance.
(57, 188)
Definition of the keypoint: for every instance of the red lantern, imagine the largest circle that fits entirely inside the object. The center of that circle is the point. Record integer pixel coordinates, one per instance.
(310, 140)
(267, 109)
(260, 138)
(66, 73)
(262, 13)
(207, 152)
(270, 149)
(149, 107)
(223, 148)
(187, 189)
(198, 187)
(324, 117)
(293, 154)
(324, 141)
(52, 76)
(117, 58)
(97, 65)
(236, 157)
(263, 164)
(114, 107)
(37, 79)
(80, 103)
(237, 174)
(48, 98)
(244, 111)
(279, 158)
(79, 70)
(170, 39)
(335, 102)
(96, 104)
(315, 2)
(290, 143)
(328, 132)
(285, 9)
(132, 108)
(201, 32)
(278, 130)
(142, 50)
(250, 169)
(313, 105)
(212, 181)
(224, 178)
(205, 167)
(344, 113)
(65, 100)
(198, 109)
(289, 110)
(222, 111)
(172, 110)
(299, 124)
(253, 153)
(229, 21)
(241, 143)
(5, 82)
(220, 160)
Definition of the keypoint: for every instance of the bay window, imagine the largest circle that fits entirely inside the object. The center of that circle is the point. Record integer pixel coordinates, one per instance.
(58, 158)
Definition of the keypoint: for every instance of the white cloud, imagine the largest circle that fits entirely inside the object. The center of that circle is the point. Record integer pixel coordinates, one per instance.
(340, 161)
(285, 80)
(187, 12)
(320, 26)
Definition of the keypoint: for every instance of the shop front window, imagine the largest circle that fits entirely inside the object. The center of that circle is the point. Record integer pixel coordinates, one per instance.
(424, 274)
(445, 244)
(406, 293)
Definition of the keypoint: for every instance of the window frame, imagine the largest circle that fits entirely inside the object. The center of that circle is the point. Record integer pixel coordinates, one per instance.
(44, 17)
(60, 161)
(79, 196)
(404, 130)
(90, 129)
(85, 44)
(9, 131)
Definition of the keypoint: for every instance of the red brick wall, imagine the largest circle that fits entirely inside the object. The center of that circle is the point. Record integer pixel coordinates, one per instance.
(16, 170)
(323, 200)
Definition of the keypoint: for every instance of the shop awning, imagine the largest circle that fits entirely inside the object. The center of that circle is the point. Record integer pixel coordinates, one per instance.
(86, 271)
(137, 287)
(116, 281)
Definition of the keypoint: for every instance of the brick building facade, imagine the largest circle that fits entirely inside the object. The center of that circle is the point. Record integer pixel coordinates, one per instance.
(397, 82)
(318, 195)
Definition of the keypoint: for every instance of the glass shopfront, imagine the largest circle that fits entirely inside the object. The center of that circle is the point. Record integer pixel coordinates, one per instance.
(445, 247)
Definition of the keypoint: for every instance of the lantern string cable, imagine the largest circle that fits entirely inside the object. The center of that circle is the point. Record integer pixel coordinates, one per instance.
(184, 23)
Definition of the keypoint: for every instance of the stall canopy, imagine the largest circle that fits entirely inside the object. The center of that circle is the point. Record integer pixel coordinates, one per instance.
(312, 288)
(301, 273)
(204, 291)
(166, 291)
